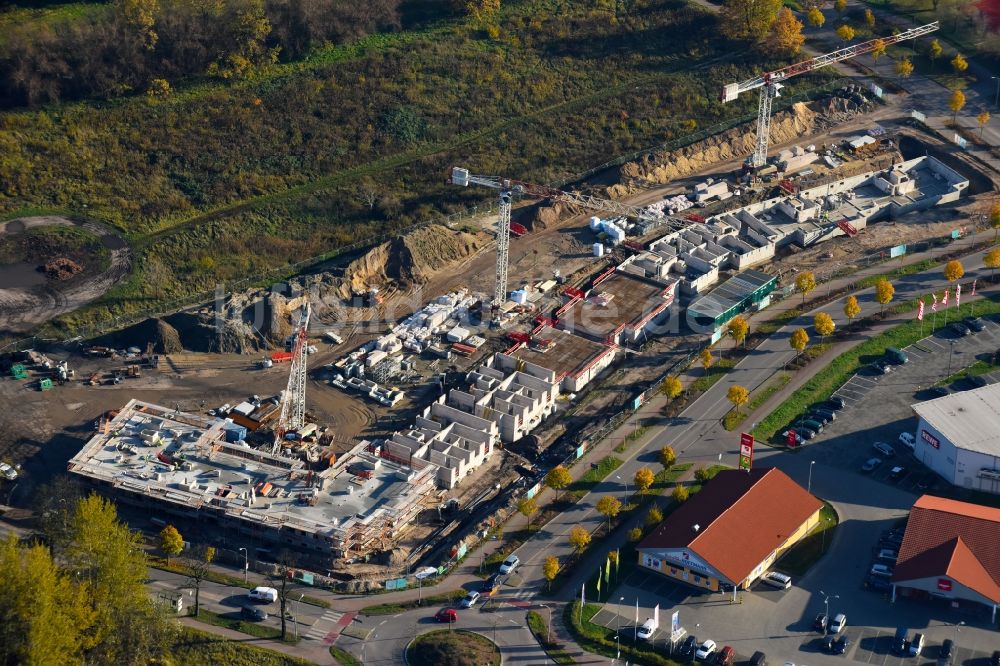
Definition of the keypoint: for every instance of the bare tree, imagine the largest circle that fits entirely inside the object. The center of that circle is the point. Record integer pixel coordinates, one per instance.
(285, 585)
(368, 192)
(198, 567)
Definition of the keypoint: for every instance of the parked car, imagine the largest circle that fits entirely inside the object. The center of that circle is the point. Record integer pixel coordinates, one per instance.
(509, 565)
(916, 645)
(448, 615)
(804, 433)
(871, 464)
(829, 414)
(938, 391)
(883, 449)
(646, 631)
(927, 481)
(877, 584)
(820, 623)
(908, 440)
(470, 600)
(758, 659)
(887, 556)
(819, 418)
(897, 473)
(995, 658)
(896, 356)
(975, 324)
(882, 367)
(798, 438)
(839, 403)
(776, 579)
(253, 613)
(899, 643)
(883, 570)
(960, 329)
(687, 648)
(839, 623)
(705, 650)
(493, 582)
(976, 381)
(726, 656)
(813, 425)
(946, 652)
(263, 595)
(841, 644)
(827, 643)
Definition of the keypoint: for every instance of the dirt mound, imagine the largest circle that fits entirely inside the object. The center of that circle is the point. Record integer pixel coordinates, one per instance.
(412, 258)
(166, 339)
(200, 332)
(61, 268)
(801, 119)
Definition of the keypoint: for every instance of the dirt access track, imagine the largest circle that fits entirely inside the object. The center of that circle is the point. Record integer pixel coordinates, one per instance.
(24, 306)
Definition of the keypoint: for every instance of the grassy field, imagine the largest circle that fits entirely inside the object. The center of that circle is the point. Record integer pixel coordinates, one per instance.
(441, 599)
(822, 385)
(540, 629)
(757, 398)
(195, 648)
(343, 657)
(225, 180)
(445, 647)
(40, 244)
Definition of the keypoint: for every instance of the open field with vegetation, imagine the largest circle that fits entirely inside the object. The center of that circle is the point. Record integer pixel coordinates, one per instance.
(191, 647)
(215, 179)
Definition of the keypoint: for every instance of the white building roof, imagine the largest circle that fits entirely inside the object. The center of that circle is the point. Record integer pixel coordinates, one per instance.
(969, 419)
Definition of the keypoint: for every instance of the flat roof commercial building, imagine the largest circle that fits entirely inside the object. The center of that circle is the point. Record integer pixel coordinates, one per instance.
(575, 360)
(950, 552)
(745, 291)
(618, 309)
(732, 531)
(958, 437)
(180, 464)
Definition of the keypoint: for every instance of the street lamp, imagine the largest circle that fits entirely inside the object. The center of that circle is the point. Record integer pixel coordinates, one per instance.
(295, 619)
(548, 627)
(826, 604)
(246, 564)
(810, 485)
(952, 353)
(626, 487)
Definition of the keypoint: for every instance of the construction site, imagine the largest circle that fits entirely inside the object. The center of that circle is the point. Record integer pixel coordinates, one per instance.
(348, 413)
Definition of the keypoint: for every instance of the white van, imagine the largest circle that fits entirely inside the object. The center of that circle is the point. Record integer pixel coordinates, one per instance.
(775, 579)
(265, 595)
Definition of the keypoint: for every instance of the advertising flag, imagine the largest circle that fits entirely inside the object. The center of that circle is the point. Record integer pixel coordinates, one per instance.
(944, 299)
(598, 584)
(934, 303)
(617, 563)
(920, 310)
(958, 295)
(583, 594)
(607, 570)
(973, 287)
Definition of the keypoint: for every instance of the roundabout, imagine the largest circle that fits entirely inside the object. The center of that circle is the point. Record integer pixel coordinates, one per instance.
(451, 647)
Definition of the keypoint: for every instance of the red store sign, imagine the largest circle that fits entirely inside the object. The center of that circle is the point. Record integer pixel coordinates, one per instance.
(930, 439)
(944, 584)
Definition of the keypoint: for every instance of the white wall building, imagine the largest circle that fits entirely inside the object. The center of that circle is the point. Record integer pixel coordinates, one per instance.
(958, 436)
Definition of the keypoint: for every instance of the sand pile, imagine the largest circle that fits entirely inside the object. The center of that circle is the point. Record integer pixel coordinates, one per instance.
(800, 120)
(412, 258)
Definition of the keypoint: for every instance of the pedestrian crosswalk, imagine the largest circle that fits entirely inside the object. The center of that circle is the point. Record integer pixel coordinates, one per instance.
(329, 622)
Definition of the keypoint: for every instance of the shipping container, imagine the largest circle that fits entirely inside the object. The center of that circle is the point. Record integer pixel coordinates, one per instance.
(281, 357)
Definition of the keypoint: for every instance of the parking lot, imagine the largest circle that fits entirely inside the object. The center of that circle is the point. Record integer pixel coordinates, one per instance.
(847, 442)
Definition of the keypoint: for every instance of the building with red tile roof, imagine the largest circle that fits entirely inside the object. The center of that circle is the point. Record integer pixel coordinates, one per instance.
(950, 550)
(733, 530)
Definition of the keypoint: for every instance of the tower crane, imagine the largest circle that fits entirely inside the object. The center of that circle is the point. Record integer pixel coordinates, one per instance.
(510, 188)
(293, 406)
(770, 82)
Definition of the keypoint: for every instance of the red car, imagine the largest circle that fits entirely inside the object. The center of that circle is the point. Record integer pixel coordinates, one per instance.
(449, 615)
(726, 656)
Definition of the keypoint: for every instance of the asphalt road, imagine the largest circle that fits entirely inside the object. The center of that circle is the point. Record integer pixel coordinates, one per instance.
(697, 434)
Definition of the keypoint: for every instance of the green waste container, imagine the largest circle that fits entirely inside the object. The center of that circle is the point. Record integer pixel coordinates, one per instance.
(44, 384)
(18, 371)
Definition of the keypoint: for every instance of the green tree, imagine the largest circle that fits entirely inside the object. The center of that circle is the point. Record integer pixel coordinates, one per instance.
(815, 17)
(992, 261)
(550, 569)
(824, 325)
(737, 328)
(558, 478)
(956, 103)
(139, 18)
(959, 63)
(680, 494)
(706, 358)
(609, 507)
(953, 270)
(805, 282)
(799, 340)
(644, 478)
(845, 32)
(884, 291)
(671, 387)
(635, 534)
(528, 507)
(108, 558)
(840, 6)
(198, 568)
(878, 49)
(738, 395)
(654, 516)
(982, 119)
(995, 219)
(483, 11)
(904, 68)
(869, 18)
(749, 19)
(171, 542)
(934, 51)
(851, 309)
(579, 538)
(45, 614)
(701, 475)
(786, 33)
(667, 457)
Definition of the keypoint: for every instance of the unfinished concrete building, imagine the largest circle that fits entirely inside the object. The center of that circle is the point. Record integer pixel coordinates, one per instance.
(621, 307)
(574, 360)
(178, 464)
